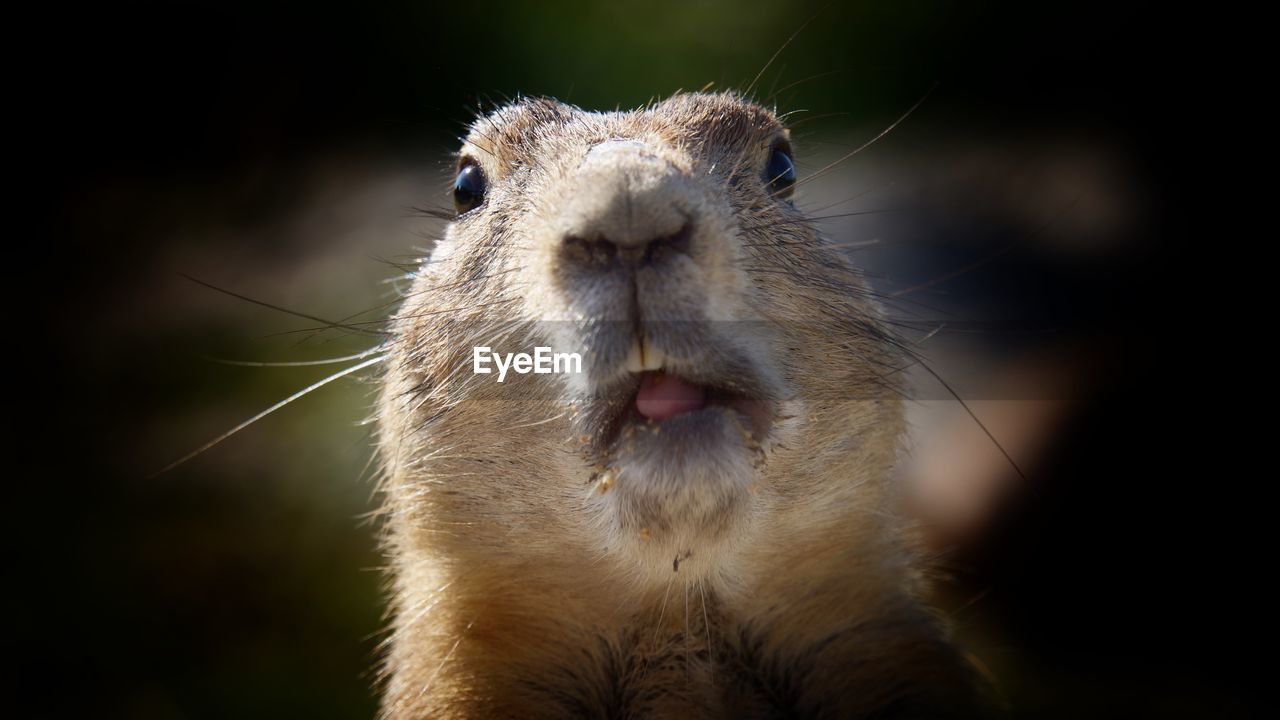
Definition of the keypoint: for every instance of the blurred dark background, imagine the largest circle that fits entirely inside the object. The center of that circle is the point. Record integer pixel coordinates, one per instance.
(1036, 205)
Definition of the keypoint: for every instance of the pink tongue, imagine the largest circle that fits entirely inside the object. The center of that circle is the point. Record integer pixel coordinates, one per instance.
(663, 396)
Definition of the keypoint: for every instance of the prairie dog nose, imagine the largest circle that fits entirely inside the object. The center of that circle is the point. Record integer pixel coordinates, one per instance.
(625, 201)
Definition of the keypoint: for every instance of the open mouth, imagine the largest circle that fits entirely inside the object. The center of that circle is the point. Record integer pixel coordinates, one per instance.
(678, 419)
(662, 396)
(693, 414)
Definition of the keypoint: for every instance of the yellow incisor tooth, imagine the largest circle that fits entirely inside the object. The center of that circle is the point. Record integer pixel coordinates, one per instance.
(644, 356)
(635, 357)
(651, 358)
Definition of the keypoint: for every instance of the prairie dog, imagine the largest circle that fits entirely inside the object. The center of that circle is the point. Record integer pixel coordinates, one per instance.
(701, 522)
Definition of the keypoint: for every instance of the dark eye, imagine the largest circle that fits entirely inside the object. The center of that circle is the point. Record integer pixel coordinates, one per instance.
(780, 173)
(468, 188)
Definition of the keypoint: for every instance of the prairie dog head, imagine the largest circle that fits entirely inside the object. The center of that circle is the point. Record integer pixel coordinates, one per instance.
(731, 394)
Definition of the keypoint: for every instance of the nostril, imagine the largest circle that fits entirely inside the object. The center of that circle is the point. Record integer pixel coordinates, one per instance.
(589, 252)
(602, 251)
(661, 248)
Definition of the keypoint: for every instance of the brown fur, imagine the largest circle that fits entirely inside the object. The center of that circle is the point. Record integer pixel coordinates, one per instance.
(525, 588)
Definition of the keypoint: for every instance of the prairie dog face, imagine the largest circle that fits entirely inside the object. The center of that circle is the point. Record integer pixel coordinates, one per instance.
(731, 394)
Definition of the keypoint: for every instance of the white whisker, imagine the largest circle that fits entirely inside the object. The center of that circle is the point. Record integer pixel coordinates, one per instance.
(305, 391)
(300, 363)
